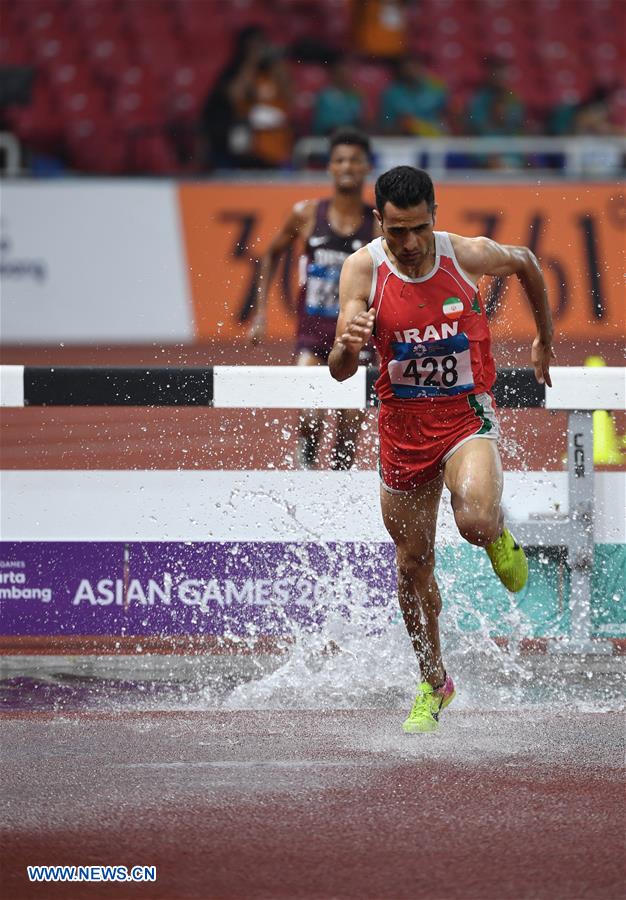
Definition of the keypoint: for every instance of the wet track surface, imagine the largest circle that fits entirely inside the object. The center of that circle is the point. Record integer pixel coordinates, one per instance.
(318, 804)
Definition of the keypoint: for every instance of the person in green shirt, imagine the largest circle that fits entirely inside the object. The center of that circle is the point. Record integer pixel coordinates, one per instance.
(493, 108)
(339, 105)
(415, 102)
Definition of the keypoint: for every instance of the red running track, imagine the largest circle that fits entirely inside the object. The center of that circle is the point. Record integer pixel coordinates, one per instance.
(330, 804)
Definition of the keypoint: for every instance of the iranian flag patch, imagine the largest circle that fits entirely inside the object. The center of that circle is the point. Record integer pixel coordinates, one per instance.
(453, 308)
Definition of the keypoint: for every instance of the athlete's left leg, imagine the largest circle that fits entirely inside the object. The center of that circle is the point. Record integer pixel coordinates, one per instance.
(473, 475)
(349, 423)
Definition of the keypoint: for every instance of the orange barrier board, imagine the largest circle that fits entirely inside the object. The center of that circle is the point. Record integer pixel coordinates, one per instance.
(578, 232)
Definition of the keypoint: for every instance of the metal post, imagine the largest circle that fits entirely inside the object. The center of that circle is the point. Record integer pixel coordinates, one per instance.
(580, 542)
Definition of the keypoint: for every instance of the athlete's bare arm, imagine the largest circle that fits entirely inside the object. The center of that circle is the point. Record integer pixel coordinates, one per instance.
(297, 225)
(355, 322)
(481, 256)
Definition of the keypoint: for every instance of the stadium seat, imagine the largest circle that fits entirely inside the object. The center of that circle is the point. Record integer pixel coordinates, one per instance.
(70, 78)
(308, 80)
(188, 88)
(94, 147)
(151, 154)
(134, 109)
(14, 48)
(371, 80)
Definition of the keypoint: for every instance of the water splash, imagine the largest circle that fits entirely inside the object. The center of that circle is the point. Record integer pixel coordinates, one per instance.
(365, 659)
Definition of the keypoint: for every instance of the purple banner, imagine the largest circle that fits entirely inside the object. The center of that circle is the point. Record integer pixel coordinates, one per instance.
(91, 588)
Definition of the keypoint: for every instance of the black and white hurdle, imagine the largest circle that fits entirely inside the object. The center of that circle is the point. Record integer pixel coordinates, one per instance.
(268, 387)
(577, 390)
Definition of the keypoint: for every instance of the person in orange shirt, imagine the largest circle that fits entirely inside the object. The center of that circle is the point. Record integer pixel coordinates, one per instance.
(379, 28)
(269, 108)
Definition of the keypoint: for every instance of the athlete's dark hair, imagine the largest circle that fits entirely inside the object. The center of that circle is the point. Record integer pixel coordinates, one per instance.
(351, 136)
(404, 186)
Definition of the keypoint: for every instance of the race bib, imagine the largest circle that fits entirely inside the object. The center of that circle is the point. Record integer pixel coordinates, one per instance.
(322, 290)
(431, 369)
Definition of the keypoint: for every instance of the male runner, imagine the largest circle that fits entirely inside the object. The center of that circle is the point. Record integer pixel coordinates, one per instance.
(330, 230)
(416, 290)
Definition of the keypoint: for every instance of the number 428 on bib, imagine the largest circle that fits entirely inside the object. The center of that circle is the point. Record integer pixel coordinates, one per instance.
(431, 369)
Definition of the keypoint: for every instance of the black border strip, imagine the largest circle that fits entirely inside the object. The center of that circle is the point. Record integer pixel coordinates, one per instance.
(118, 386)
(518, 389)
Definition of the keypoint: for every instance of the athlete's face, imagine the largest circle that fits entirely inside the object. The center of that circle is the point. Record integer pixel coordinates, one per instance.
(408, 232)
(348, 167)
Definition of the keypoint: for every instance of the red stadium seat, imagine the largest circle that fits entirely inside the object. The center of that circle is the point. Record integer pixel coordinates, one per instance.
(308, 80)
(336, 21)
(136, 109)
(152, 154)
(189, 87)
(95, 147)
(109, 57)
(371, 80)
(90, 102)
(70, 78)
(57, 48)
(15, 49)
(37, 16)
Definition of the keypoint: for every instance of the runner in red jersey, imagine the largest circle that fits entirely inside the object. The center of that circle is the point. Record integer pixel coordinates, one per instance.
(329, 231)
(416, 290)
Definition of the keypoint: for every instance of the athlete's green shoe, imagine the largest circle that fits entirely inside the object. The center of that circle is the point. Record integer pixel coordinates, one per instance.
(509, 561)
(428, 704)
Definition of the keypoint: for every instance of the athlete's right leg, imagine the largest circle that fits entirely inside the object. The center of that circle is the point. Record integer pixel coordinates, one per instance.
(311, 422)
(411, 520)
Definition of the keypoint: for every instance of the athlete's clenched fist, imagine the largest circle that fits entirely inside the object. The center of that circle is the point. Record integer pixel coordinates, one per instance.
(358, 331)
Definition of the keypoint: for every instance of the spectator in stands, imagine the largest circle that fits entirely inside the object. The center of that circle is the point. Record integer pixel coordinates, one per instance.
(493, 108)
(269, 111)
(593, 117)
(415, 102)
(380, 28)
(590, 115)
(224, 124)
(340, 104)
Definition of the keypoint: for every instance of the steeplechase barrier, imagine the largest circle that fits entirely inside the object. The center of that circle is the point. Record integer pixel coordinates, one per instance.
(570, 527)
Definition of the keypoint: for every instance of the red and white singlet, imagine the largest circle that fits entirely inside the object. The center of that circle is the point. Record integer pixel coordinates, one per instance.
(431, 332)
(436, 369)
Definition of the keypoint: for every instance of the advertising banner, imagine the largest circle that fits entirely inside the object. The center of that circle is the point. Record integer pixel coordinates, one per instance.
(254, 589)
(134, 262)
(92, 263)
(98, 588)
(578, 231)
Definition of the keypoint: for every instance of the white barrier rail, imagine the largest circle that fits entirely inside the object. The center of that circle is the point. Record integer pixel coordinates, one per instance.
(279, 387)
(583, 156)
